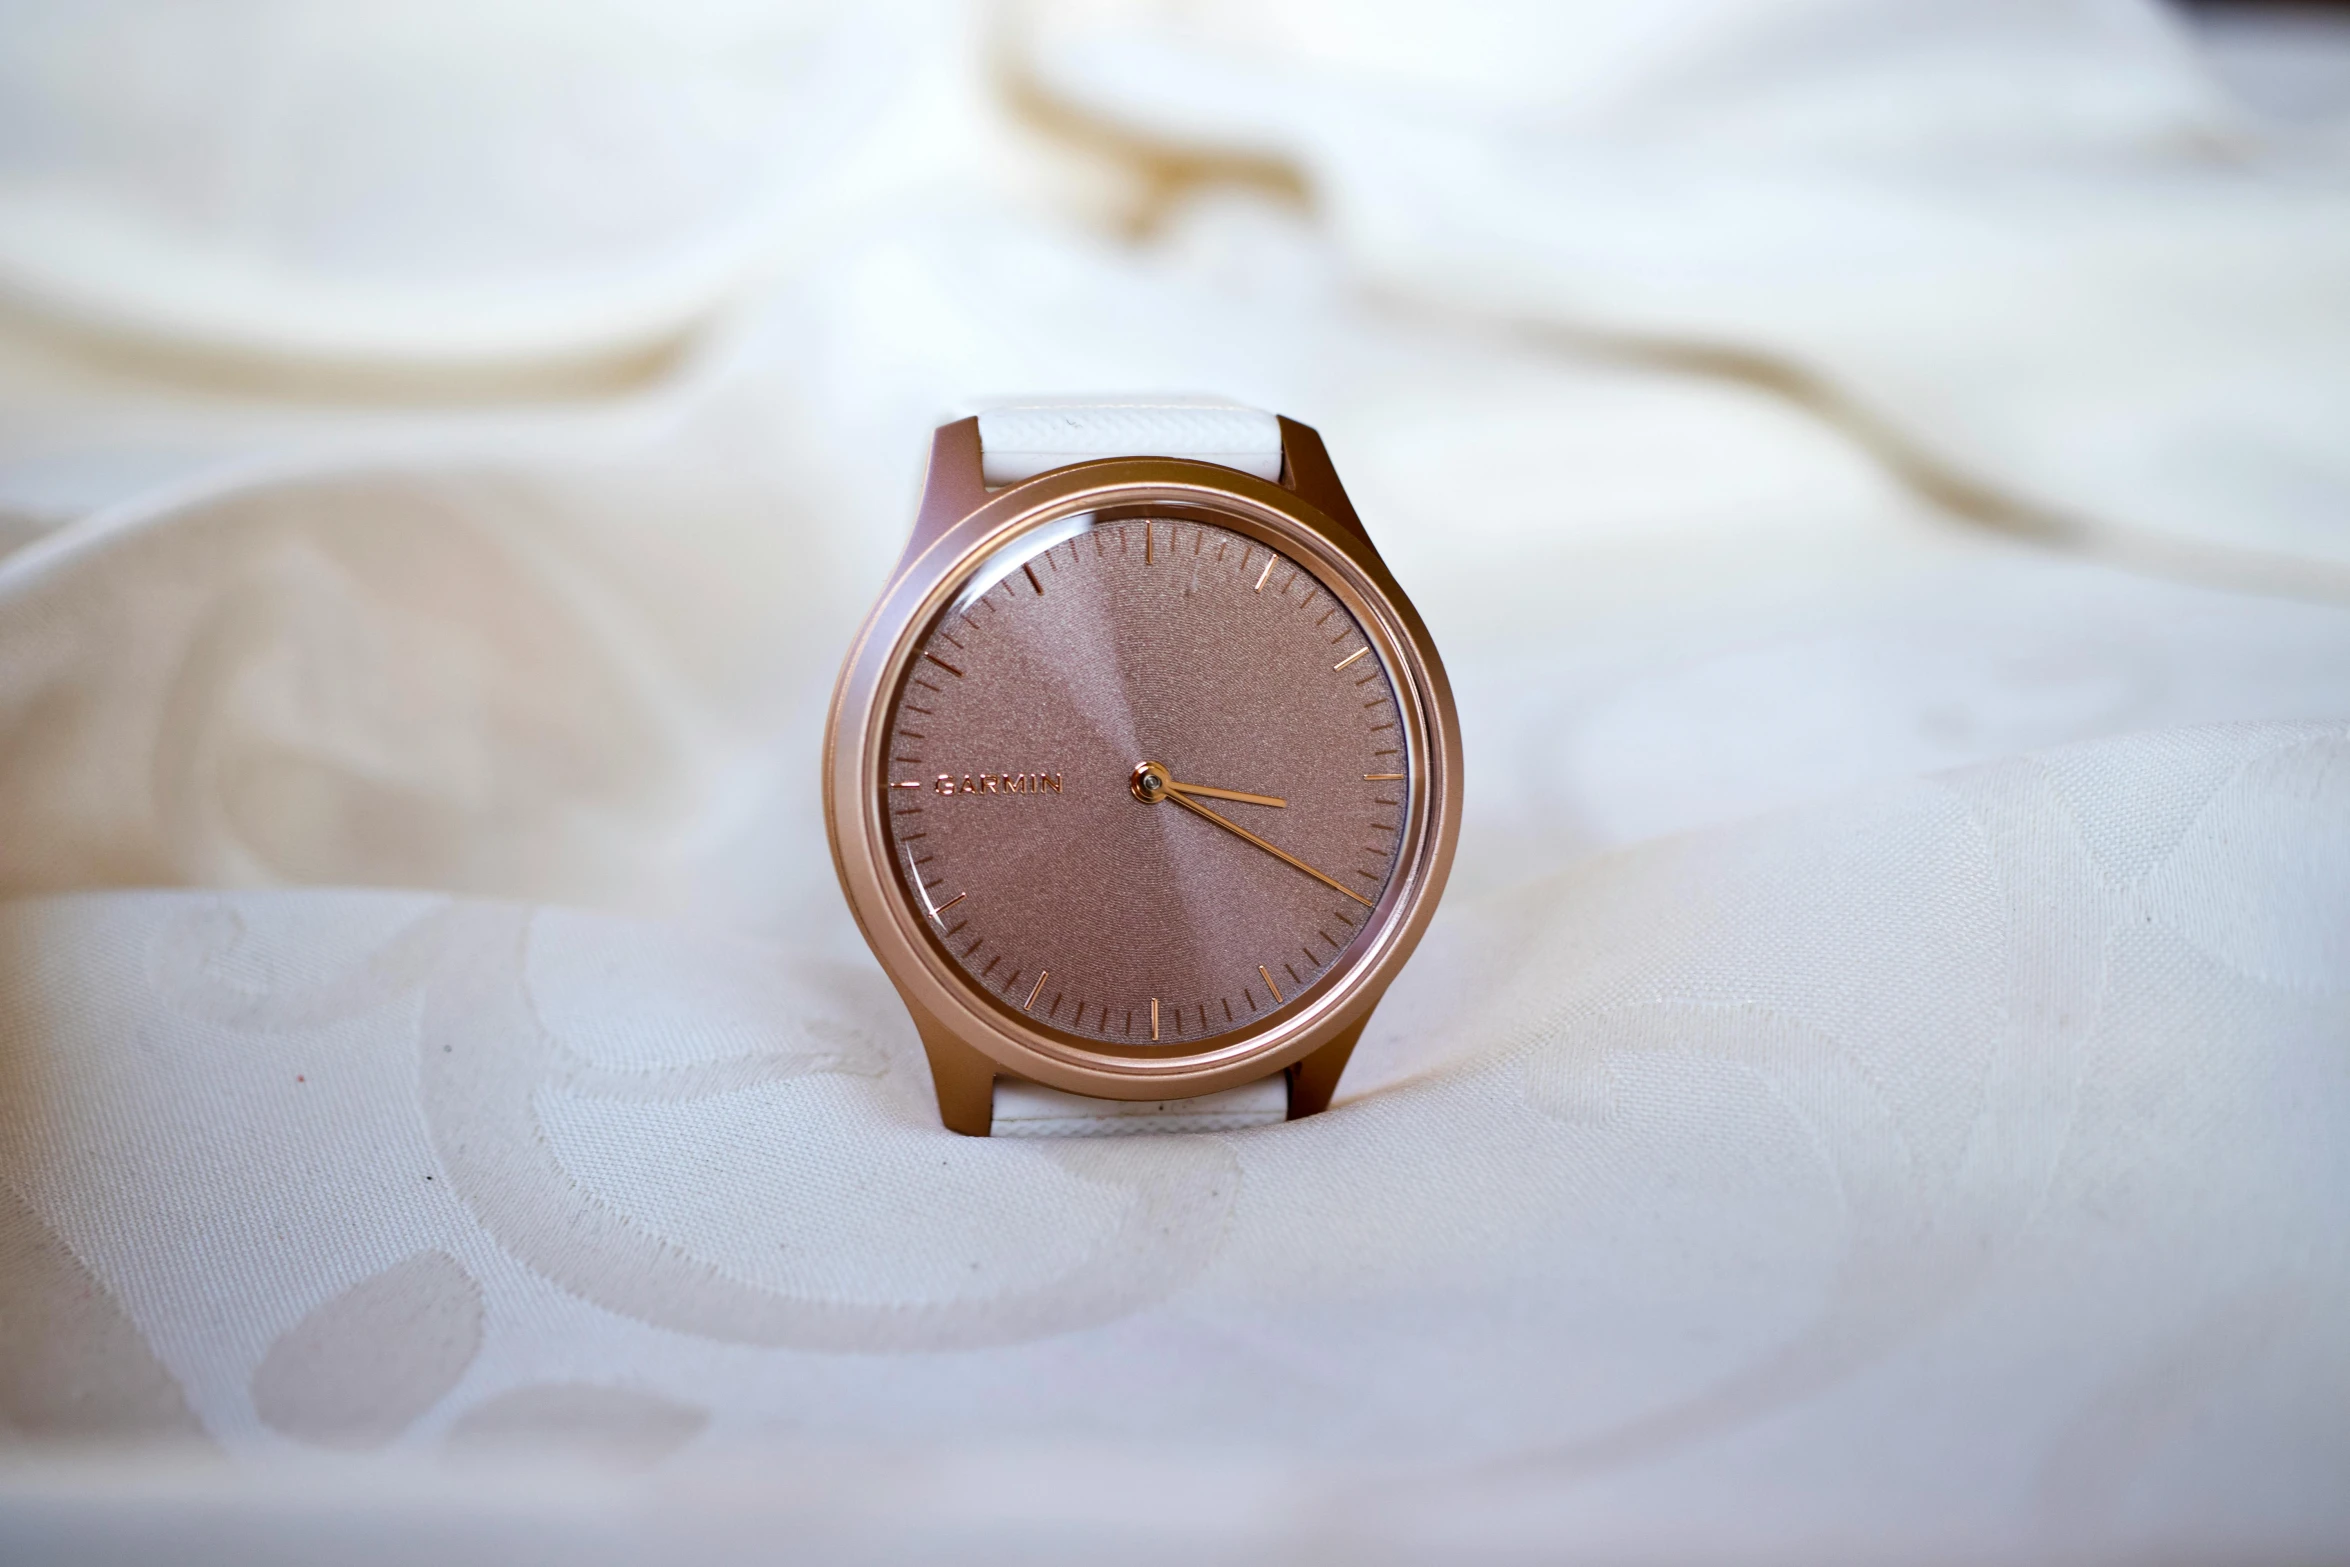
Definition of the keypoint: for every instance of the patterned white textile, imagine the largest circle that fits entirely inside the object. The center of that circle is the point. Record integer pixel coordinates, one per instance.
(1878, 1090)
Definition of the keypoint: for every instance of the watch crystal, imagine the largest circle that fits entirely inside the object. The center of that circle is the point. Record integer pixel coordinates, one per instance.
(1145, 780)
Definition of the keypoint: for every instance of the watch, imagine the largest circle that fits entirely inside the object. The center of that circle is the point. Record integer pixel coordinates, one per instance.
(1143, 777)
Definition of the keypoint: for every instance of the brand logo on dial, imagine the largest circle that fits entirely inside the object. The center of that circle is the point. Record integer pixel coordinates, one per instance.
(997, 783)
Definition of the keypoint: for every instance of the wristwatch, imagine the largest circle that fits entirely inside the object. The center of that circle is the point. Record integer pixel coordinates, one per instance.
(1143, 777)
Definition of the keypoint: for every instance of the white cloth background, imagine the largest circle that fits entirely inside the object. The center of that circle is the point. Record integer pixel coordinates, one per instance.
(1878, 1087)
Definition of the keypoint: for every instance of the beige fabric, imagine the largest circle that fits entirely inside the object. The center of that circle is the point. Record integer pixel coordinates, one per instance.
(1876, 1091)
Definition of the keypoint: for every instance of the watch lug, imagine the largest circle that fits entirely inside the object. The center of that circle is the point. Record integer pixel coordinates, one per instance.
(953, 488)
(1313, 1080)
(965, 1081)
(1306, 469)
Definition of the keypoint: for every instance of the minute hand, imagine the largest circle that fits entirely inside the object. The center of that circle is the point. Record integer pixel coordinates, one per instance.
(1178, 794)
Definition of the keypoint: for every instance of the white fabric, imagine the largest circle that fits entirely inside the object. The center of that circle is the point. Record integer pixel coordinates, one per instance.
(1967, 227)
(1021, 440)
(438, 185)
(1875, 1091)
(1030, 1110)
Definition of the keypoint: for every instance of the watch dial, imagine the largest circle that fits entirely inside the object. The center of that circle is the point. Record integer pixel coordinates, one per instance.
(1179, 912)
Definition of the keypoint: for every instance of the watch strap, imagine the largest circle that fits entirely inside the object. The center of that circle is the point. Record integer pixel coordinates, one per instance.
(1028, 1110)
(1020, 440)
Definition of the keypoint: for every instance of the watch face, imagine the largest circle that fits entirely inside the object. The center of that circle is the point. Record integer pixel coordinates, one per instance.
(1145, 780)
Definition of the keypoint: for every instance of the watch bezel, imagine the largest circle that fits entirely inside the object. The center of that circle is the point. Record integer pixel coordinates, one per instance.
(935, 988)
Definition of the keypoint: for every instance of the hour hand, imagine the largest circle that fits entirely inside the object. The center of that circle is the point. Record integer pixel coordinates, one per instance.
(1151, 784)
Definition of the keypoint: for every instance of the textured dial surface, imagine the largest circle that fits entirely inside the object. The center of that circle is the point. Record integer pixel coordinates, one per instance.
(1012, 744)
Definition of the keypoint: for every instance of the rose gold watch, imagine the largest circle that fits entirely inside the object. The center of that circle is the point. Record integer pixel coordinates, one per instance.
(1143, 777)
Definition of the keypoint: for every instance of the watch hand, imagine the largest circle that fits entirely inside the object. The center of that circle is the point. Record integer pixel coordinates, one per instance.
(1225, 794)
(1151, 784)
(1290, 860)
(934, 910)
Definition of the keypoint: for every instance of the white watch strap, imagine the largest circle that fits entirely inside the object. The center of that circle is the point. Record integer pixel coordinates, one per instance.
(1026, 1110)
(1023, 439)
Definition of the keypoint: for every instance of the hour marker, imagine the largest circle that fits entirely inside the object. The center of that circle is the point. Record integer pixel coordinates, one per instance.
(1269, 985)
(1147, 531)
(1154, 1017)
(1040, 978)
(916, 784)
(1262, 575)
(1382, 777)
(1032, 582)
(950, 903)
(1350, 658)
(943, 664)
